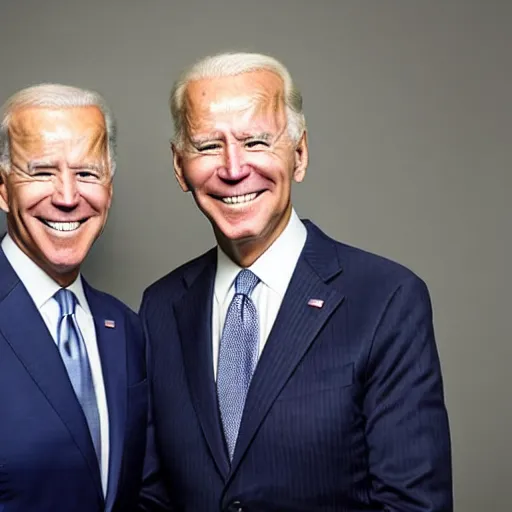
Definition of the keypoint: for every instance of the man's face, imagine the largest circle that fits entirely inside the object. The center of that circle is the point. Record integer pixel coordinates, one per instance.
(59, 190)
(238, 159)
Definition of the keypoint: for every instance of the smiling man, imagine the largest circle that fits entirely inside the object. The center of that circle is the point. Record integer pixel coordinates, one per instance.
(290, 371)
(72, 359)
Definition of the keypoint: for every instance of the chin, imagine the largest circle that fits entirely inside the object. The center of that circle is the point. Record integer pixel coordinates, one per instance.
(64, 262)
(239, 232)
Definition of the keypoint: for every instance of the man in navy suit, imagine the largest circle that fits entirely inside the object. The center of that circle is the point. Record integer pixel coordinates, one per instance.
(289, 372)
(73, 388)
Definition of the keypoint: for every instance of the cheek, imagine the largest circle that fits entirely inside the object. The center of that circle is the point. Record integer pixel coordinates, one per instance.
(270, 165)
(197, 172)
(96, 196)
(29, 196)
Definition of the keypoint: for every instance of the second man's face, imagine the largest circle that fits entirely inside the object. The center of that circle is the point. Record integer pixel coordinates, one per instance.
(58, 191)
(238, 159)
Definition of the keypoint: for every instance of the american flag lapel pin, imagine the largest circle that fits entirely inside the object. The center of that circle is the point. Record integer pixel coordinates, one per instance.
(315, 303)
(110, 324)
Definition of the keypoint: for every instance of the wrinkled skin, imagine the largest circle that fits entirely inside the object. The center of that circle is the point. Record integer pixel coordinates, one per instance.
(58, 190)
(237, 144)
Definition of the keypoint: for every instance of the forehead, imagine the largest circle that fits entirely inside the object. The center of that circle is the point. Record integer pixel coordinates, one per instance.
(211, 97)
(36, 127)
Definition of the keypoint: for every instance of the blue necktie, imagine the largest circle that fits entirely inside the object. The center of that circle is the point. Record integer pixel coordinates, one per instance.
(74, 354)
(238, 355)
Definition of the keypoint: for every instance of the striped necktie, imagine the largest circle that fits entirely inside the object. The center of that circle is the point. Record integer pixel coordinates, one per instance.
(74, 354)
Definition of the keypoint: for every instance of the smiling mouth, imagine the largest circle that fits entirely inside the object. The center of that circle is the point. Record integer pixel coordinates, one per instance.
(62, 226)
(242, 199)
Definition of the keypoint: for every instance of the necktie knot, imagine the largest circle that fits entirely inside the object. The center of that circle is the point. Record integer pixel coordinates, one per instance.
(245, 282)
(66, 300)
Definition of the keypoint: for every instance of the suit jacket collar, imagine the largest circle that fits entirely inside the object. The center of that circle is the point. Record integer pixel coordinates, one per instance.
(8, 278)
(111, 337)
(321, 253)
(294, 330)
(194, 319)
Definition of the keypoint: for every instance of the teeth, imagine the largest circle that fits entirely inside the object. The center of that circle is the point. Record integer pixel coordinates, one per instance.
(63, 226)
(239, 199)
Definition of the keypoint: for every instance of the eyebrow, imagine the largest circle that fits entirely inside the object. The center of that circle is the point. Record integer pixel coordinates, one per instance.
(205, 138)
(37, 164)
(94, 167)
(266, 136)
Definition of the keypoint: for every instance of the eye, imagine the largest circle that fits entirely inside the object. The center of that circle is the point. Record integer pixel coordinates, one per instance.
(211, 146)
(87, 174)
(42, 172)
(256, 144)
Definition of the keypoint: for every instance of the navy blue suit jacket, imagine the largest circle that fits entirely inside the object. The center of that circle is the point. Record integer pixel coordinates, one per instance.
(345, 411)
(47, 459)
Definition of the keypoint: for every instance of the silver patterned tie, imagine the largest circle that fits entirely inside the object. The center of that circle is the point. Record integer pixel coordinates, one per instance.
(238, 355)
(74, 354)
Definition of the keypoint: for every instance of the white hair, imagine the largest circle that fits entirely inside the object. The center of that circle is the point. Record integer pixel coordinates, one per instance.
(55, 96)
(231, 64)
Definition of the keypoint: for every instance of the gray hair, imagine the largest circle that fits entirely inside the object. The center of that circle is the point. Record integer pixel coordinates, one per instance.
(231, 64)
(55, 96)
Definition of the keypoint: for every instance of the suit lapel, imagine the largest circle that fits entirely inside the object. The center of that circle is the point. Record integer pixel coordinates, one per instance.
(112, 349)
(294, 330)
(194, 318)
(25, 331)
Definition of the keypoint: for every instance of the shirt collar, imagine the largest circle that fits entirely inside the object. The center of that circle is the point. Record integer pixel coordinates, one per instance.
(40, 286)
(274, 267)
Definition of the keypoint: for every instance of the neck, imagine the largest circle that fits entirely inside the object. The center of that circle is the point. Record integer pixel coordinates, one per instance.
(243, 254)
(63, 277)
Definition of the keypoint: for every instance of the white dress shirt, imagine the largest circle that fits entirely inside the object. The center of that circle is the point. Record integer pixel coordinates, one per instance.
(274, 268)
(41, 288)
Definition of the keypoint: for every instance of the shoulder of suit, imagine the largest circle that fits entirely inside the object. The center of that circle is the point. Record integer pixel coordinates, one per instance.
(114, 303)
(372, 272)
(362, 264)
(172, 284)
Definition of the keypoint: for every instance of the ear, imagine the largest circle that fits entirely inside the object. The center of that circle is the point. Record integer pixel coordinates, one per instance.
(177, 158)
(301, 158)
(4, 192)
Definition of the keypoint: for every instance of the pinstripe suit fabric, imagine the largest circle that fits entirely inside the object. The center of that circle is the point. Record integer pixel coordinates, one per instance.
(345, 411)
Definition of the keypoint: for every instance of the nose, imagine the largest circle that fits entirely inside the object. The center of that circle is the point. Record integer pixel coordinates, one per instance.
(66, 190)
(233, 167)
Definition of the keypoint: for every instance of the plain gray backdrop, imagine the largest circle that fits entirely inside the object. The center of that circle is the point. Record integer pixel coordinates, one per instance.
(410, 120)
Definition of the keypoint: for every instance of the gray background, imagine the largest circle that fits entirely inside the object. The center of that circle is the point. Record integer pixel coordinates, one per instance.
(409, 115)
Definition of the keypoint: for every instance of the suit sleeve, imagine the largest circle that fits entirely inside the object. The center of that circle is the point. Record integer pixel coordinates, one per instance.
(153, 496)
(406, 420)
